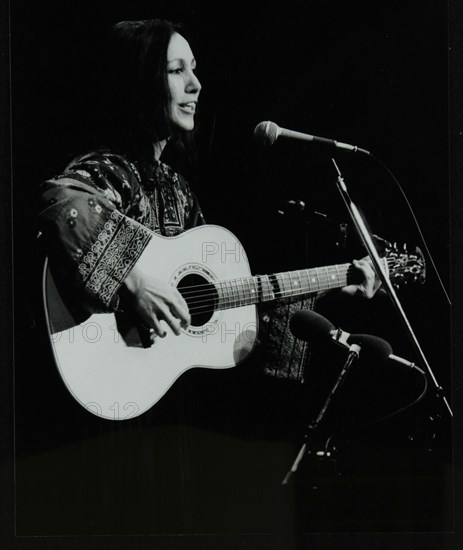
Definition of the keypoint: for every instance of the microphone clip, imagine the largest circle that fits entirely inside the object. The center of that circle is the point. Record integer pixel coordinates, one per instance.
(341, 337)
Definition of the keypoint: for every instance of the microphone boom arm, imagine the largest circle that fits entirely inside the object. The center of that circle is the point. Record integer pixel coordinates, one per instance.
(379, 268)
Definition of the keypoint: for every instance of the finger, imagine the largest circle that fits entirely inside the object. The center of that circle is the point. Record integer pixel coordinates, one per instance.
(360, 268)
(157, 327)
(366, 259)
(366, 286)
(361, 264)
(174, 324)
(365, 268)
(179, 309)
(171, 320)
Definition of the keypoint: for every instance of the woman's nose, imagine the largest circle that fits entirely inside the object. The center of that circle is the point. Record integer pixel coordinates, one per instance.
(193, 84)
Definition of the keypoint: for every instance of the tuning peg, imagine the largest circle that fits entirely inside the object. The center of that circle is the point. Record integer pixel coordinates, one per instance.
(300, 205)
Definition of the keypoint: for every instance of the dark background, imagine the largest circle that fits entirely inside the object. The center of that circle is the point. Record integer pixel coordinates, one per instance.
(211, 455)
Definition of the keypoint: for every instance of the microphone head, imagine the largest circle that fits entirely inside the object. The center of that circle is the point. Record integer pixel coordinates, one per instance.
(310, 326)
(266, 133)
(373, 348)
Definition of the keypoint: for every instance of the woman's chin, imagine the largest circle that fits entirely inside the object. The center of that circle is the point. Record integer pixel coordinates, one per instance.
(184, 123)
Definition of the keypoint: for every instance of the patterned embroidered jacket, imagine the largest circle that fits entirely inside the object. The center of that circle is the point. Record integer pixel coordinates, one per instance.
(87, 218)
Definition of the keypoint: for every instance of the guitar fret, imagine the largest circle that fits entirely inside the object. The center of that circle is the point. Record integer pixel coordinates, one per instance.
(267, 290)
(243, 295)
(299, 279)
(223, 294)
(313, 280)
(332, 278)
(252, 293)
(233, 297)
(241, 292)
(322, 277)
(247, 292)
(293, 283)
(219, 287)
(229, 294)
(244, 292)
(245, 299)
(254, 290)
(306, 278)
(236, 293)
(343, 276)
(280, 277)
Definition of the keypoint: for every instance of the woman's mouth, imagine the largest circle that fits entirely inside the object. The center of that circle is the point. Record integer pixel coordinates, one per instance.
(189, 107)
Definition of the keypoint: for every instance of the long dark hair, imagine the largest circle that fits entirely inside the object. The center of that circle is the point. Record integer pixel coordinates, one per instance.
(137, 112)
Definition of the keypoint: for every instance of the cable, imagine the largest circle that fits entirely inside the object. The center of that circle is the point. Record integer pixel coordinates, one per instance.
(381, 418)
(407, 202)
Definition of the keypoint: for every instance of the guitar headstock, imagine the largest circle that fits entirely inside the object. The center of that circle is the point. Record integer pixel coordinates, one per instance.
(405, 267)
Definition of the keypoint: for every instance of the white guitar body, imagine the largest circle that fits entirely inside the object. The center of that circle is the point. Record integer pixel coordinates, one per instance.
(118, 381)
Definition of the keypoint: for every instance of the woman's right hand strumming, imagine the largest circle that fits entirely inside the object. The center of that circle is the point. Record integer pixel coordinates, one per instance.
(154, 301)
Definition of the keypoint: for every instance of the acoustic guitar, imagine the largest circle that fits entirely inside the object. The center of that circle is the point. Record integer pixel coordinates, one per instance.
(116, 376)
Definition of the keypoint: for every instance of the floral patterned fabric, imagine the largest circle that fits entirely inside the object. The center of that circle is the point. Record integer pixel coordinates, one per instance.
(281, 354)
(97, 218)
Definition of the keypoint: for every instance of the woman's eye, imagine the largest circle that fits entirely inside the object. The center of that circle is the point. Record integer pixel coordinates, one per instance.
(177, 70)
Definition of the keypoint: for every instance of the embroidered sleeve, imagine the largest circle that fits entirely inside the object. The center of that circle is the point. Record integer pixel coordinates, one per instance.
(107, 261)
(90, 241)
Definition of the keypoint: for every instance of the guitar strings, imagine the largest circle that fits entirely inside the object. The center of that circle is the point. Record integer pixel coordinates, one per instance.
(253, 279)
(336, 268)
(226, 302)
(211, 299)
(251, 284)
(230, 302)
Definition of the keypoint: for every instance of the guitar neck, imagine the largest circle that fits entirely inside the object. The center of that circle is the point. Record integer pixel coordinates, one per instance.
(264, 288)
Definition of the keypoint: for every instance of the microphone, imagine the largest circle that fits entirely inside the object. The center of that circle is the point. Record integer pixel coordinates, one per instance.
(312, 327)
(266, 133)
(380, 350)
(316, 329)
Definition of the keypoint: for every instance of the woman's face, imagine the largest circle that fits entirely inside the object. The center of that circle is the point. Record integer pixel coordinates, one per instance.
(184, 86)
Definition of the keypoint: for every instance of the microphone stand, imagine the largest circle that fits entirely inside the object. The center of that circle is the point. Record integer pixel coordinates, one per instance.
(378, 265)
(354, 351)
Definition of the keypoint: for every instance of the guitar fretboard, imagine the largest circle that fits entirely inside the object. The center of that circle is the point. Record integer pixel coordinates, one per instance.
(263, 288)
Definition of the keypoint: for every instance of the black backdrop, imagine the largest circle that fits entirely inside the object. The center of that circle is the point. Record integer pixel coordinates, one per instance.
(211, 458)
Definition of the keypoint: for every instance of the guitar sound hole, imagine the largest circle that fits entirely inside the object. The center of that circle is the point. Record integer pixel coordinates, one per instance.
(201, 297)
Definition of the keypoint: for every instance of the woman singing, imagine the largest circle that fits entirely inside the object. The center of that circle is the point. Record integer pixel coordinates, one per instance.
(99, 214)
